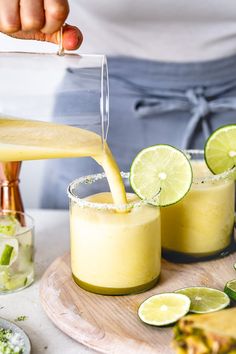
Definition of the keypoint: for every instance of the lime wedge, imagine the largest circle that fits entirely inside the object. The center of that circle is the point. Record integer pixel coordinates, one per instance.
(8, 225)
(220, 149)
(8, 250)
(204, 300)
(164, 309)
(6, 255)
(161, 175)
(230, 289)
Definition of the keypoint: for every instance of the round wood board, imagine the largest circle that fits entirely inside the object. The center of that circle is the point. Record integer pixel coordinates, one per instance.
(109, 324)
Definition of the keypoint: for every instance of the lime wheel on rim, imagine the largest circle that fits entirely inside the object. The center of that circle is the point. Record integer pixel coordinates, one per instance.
(220, 149)
(161, 175)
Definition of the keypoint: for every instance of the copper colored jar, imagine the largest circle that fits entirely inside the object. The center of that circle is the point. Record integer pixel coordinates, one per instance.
(9, 187)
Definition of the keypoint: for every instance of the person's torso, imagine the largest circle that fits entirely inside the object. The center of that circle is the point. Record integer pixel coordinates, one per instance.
(170, 30)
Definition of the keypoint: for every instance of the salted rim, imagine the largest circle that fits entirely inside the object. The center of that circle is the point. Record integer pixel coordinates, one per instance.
(89, 179)
(212, 178)
(101, 206)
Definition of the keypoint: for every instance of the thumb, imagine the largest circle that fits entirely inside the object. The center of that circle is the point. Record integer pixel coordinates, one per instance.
(72, 37)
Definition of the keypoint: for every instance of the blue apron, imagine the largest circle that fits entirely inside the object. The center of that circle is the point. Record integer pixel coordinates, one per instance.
(153, 103)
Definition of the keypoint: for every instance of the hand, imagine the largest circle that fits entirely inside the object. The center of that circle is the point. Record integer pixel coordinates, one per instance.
(38, 20)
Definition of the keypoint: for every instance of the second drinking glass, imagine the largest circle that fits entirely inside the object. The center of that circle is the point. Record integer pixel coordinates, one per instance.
(201, 224)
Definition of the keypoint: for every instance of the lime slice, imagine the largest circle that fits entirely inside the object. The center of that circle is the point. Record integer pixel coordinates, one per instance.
(16, 281)
(230, 289)
(164, 309)
(8, 225)
(204, 300)
(6, 255)
(8, 250)
(220, 149)
(4, 277)
(161, 175)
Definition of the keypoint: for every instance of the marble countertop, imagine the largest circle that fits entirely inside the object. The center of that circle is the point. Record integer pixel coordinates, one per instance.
(51, 241)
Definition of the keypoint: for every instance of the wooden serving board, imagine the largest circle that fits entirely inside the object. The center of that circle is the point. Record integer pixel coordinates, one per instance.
(109, 324)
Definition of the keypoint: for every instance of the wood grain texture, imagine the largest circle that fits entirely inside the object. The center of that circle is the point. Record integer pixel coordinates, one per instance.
(109, 324)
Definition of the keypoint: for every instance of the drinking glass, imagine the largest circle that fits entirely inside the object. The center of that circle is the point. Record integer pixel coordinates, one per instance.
(16, 251)
(201, 225)
(115, 249)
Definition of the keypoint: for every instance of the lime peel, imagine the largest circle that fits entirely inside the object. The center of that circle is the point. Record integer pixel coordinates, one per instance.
(230, 289)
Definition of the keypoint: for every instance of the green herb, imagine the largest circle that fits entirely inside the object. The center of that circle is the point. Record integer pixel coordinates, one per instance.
(21, 318)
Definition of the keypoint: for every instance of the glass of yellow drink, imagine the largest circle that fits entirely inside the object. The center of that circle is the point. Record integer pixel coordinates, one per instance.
(16, 251)
(200, 226)
(115, 249)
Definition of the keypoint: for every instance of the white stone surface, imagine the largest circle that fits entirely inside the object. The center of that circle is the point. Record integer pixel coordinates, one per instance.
(51, 241)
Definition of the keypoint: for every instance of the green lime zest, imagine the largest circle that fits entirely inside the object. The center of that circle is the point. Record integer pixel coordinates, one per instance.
(8, 343)
(21, 318)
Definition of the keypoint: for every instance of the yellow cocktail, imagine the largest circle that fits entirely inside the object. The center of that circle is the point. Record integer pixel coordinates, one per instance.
(113, 252)
(202, 223)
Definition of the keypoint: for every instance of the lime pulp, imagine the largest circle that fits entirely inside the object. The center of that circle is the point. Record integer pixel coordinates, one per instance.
(161, 175)
(205, 300)
(164, 309)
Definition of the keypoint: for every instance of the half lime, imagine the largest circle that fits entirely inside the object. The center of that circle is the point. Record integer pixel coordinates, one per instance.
(220, 149)
(205, 300)
(164, 309)
(161, 175)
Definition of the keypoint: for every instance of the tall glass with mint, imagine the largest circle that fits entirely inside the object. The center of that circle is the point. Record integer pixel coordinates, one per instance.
(16, 251)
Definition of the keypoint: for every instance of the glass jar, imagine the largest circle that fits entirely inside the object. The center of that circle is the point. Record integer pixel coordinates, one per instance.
(16, 251)
(201, 225)
(115, 249)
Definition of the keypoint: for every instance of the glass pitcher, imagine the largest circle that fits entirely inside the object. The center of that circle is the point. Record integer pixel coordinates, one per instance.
(69, 88)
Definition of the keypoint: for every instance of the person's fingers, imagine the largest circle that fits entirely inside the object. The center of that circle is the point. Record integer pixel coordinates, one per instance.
(72, 37)
(9, 16)
(56, 12)
(32, 15)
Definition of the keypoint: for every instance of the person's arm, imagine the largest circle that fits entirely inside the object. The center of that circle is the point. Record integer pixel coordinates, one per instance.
(38, 20)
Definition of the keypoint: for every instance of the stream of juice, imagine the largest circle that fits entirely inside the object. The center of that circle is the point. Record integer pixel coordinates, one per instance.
(31, 140)
(111, 252)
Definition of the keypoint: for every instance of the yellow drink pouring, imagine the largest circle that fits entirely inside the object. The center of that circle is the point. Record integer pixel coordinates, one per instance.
(113, 253)
(114, 249)
(201, 224)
